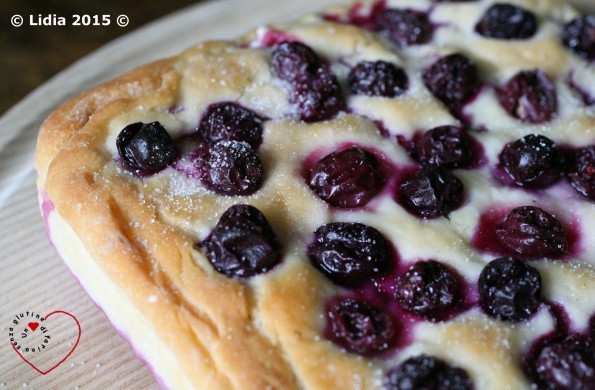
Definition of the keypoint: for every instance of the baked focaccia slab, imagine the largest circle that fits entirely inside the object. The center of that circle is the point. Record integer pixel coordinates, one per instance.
(388, 194)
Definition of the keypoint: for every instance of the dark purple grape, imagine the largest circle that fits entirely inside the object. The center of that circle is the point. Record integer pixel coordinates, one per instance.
(359, 327)
(582, 174)
(566, 364)
(509, 289)
(425, 372)
(146, 146)
(319, 98)
(429, 289)
(350, 254)
(432, 192)
(314, 88)
(243, 243)
(404, 27)
(294, 61)
(233, 168)
(529, 96)
(532, 233)
(229, 121)
(532, 161)
(378, 78)
(447, 146)
(507, 21)
(579, 36)
(347, 178)
(453, 79)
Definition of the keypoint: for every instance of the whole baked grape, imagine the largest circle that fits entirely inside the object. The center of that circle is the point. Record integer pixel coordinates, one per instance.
(404, 27)
(429, 289)
(242, 244)
(529, 96)
(233, 168)
(228, 121)
(532, 233)
(146, 146)
(447, 146)
(582, 173)
(453, 79)
(432, 192)
(347, 178)
(532, 161)
(377, 78)
(425, 372)
(349, 253)
(359, 327)
(507, 21)
(579, 36)
(509, 289)
(315, 90)
(566, 364)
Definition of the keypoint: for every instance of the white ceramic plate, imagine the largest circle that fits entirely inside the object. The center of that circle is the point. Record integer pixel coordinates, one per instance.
(32, 276)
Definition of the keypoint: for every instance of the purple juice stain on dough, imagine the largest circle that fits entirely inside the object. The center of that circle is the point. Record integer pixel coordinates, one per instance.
(121, 332)
(192, 165)
(176, 109)
(358, 16)
(273, 38)
(575, 85)
(47, 208)
(379, 292)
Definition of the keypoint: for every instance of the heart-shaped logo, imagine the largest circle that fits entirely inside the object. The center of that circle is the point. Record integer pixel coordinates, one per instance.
(62, 322)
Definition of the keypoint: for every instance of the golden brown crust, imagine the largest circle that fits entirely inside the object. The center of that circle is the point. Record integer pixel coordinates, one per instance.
(195, 311)
(67, 120)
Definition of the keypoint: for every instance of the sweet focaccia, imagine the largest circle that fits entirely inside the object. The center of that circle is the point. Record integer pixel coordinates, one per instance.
(388, 194)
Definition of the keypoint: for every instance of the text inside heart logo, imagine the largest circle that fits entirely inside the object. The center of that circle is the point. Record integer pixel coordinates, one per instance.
(39, 349)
